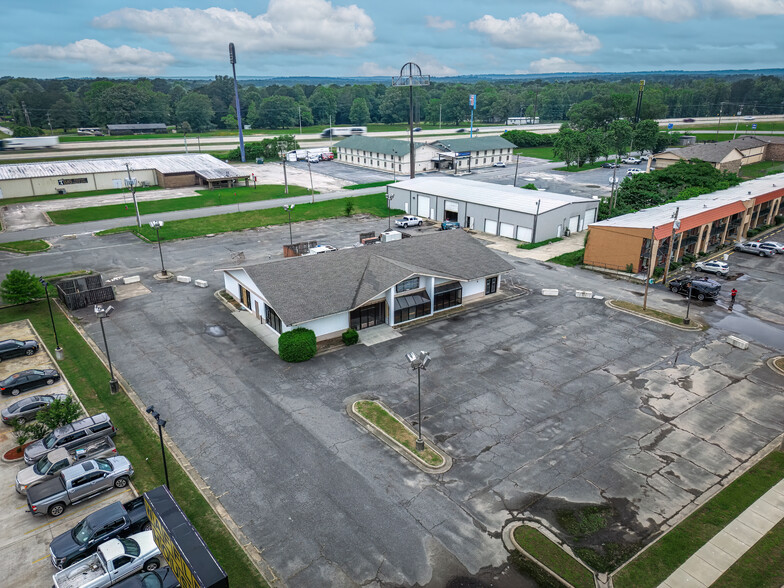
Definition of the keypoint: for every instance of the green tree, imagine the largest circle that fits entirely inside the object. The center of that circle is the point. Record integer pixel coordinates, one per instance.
(323, 104)
(63, 115)
(360, 114)
(20, 287)
(570, 145)
(645, 135)
(59, 413)
(197, 110)
(619, 136)
(278, 112)
(230, 120)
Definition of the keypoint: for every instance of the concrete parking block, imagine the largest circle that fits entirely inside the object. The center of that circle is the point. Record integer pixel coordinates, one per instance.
(132, 279)
(550, 292)
(184, 279)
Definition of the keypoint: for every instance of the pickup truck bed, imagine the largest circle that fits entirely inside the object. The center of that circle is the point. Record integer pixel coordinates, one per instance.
(80, 574)
(45, 489)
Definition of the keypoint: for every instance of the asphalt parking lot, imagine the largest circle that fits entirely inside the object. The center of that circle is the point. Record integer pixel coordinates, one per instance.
(540, 401)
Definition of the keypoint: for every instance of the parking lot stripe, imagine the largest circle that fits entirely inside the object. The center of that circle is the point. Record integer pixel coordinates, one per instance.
(72, 513)
(40, 559)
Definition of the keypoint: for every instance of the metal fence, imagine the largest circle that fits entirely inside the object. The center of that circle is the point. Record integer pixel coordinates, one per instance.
(84, 291)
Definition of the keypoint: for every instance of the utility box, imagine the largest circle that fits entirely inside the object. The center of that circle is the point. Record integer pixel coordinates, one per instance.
(388, 236)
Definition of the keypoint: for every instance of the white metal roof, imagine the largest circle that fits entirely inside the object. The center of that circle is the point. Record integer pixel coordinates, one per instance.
(497, 195)
(201, 163)
(660, 215)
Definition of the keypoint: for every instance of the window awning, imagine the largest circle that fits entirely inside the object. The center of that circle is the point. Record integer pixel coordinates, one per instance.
(402, 302)
(448, 287)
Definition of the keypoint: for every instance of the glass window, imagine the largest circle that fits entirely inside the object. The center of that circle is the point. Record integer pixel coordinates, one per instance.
(491, 285)
(406, 285)
(273, 320)
(131, 547)
(103, 464)
(451, 296)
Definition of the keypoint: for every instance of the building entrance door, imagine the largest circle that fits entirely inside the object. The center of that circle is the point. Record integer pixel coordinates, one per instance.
(368, 316)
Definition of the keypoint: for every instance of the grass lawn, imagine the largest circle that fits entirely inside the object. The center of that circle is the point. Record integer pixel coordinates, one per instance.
(761, 168)
(539, 244)
(136, 439)
(538, 152)
(375, 204)
(370, 185)
(570, 259)
(762, 566)
(34, 246)
(728, 124)
(376, 414)
(655, 564)
(207, 198)
(585, 166)
(43, 197)
(665, 316)
(552, 556)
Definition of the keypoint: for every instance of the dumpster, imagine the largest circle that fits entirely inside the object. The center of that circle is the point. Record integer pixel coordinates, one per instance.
(259, 160)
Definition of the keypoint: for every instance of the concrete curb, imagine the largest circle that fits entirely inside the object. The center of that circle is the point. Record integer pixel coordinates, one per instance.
(698, 325)
(771, 363)
(395, 445)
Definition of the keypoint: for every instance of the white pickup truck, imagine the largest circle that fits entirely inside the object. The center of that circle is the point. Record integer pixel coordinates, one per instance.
(115, 560)
(408, 221)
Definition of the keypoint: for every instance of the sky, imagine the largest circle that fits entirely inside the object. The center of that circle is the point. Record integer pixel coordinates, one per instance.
(88, 38)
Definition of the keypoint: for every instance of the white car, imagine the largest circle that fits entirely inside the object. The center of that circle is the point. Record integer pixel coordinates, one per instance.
(313, 159)
(499, 164)
(408, 221)
(632, 160)
(719, 268)
(633, 171)
(773, 245)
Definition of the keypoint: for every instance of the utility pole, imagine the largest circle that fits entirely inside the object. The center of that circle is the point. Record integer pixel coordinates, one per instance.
(639, 102)
(282, 147)
(517, 165)
(27, 116)
(536, 217)
(49, 120)
(676, 224)
(737, 119)
(651, 263)
(299, 113)
(330, 131)
(133, 195)
(612, 190)
(439, 116)
(536, 101)
(233, 59)
(721, 108)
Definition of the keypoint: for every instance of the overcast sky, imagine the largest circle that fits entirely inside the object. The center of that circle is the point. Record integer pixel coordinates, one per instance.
(79, 38)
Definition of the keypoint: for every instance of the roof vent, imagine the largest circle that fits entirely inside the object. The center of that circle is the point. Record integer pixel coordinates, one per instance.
(749, 192)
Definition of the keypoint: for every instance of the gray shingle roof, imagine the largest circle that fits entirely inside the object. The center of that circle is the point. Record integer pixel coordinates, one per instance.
(376, 145)
(710, 152)
(309, 287)
(475, 144)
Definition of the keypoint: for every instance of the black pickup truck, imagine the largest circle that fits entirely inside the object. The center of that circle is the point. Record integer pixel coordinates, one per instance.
(115, 520)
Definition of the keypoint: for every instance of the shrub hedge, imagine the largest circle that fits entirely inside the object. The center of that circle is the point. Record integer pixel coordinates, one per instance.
(297, 345)
(350, 337)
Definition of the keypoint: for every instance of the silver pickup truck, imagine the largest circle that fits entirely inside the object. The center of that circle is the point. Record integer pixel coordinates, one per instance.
(115, 560)
(77, 483)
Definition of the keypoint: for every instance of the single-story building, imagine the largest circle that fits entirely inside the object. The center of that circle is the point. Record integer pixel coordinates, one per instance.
(137, 129)
(726, 155)
(393, 283)
(706, 222)
(393, 155)
(525, 215)
(19, 180)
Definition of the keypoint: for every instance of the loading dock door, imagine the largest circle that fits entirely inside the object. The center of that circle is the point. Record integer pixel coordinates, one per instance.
(507, 230)
(525, 234)
(450, 210)
(573, 224)
(423, 206)
(590, 216)
(491, 227)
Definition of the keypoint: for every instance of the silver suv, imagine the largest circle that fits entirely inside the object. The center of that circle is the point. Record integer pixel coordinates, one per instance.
(70, 436)
(59, 459)
(755, 248)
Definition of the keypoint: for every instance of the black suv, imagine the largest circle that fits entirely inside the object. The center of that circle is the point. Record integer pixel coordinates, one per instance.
(701, 288)
(14, 348)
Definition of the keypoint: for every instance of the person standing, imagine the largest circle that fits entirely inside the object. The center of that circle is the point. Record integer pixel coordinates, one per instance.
(733, 294)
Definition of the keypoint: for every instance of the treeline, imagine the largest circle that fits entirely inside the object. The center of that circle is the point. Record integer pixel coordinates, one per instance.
(200, 106)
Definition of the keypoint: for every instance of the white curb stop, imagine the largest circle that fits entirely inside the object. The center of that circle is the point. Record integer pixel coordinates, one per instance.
(737, 342)
(132, 279)
(549, 291)
(583, 294)
(200, 283)
(184, 279)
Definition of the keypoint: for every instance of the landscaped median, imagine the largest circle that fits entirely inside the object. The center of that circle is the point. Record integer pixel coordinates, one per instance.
(533, 544)
(658, 316)
(136, 439)
(26, 247)
(393, 430)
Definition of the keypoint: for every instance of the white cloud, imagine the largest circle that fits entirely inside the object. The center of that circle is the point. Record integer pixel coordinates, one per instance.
(105, 60)
(430, 67)
(299, 26)
(530, 30)
(556, 65)
(371, 68)
(436, 22)
(680, 10)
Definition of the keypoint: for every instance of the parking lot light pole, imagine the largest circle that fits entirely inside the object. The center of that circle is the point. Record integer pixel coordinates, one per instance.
(419, 362)
(58, 351)
(157, 226)
(389, 211)
(103, 313)
(687, 320)
(161, 424)
(288, 208)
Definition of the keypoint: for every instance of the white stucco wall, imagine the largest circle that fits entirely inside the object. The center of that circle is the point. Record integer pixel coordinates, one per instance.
(336, 323)
(473, 287)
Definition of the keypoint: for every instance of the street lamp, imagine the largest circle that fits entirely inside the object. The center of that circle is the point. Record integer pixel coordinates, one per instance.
(413, 78)
(390, 197)
(419, 362)
(103, 313)
(161, 423)
(687, 320)
(158, 225)
(58, 351)
(233, 60)
(288, 208)
(312, 194)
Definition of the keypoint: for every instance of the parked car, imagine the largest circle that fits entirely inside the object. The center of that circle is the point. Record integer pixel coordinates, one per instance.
(313, 159)
(14, 348)
(20, 382)
(417, 129)
(114, 561)
(408, 221)
(610, 165)
(688, 120)
(53, 462)
(115, 520)
(328, 156)
(449, 225)
(755, 248)
(70, 436)
(720, 268)
(633, 171)
(499, 164)
(460, 131)
(25, 409)
(78, 483)
(748, 118)
(701, 288)
(632, 160)
(774, 246)
(163, 577)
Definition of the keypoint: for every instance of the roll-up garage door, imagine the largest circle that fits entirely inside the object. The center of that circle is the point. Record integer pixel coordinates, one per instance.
(507, 230)
(491, 227)
(525, 234)
(423, 206)
(572, 223)
(590, 216)
(451, 206)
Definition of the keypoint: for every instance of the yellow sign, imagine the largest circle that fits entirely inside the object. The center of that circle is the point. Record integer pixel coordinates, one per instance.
(174, 557)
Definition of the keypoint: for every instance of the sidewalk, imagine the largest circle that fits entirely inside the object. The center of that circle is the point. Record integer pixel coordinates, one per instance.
(714, 558)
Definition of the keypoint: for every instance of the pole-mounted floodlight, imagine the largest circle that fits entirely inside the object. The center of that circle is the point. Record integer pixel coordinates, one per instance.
(58, 351)
(161, 423)
(419, 362)
(390, 197)
(158, 225)
(103, 313)
(288, 208)
(233, 60)
(411, 75)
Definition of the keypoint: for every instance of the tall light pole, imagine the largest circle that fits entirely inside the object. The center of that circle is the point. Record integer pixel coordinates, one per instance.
(687, 320)
(299, 113)
(310, 173)
(161, 424)
(411, 75)
(419, 362)
(389, 212)
(158, 225)
(288, 208)
(233, 59)
(58, 351)
(131, 184)
(282, 147)
(103, 313)
(676, 224)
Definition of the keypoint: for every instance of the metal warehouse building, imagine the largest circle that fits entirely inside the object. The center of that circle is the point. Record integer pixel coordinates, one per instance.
(525, 215)
(168, 171)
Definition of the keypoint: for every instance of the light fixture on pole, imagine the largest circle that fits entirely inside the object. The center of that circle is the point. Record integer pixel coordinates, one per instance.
(411, 75)
(131, 185)
(161, 424)
(419, 362)
(233, 60)
(158, 225)
(103, 313)
(288, 208)
(687, 320)
(390, 197)
(282, 148)
(58, 351)
(312, 194)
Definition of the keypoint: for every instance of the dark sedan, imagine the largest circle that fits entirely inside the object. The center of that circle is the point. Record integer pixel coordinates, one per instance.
(701, 289)
(25, 409)
(160, 578)
(28, 380)
(14, 348)
(610, 165)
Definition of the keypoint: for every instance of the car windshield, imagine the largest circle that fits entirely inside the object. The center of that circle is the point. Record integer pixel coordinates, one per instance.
(42, 466)
(9, 380)
(103, 464)
(131, 547)
(151, 580)
(49, 440)
(82, 532)
(16, 406)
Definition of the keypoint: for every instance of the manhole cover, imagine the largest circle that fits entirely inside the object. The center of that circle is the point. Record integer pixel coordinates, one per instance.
(215, 331)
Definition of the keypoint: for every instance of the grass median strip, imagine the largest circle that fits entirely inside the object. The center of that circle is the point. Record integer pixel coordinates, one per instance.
(552, 556)
(206, 198)
(85, 194)
(34, 246)
(571, 259)
(664, 316)
(655, 564)
(376, 414)
(370, 185)
(375, 204)
(135, 439)
(539, 243)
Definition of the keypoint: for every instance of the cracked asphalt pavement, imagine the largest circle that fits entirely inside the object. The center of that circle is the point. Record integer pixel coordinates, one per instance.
(539, 400)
